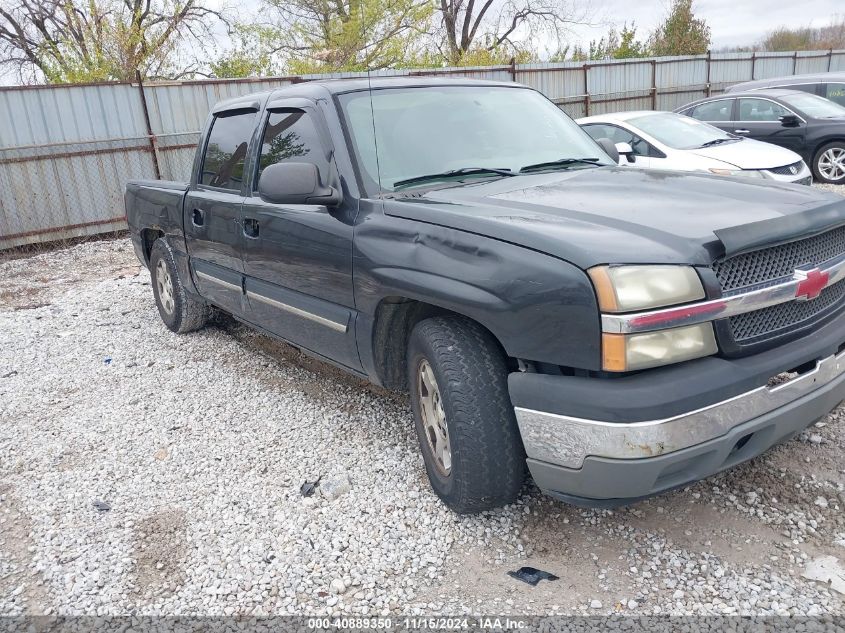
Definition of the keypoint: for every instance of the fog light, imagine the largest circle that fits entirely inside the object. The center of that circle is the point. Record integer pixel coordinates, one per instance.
(622, 352)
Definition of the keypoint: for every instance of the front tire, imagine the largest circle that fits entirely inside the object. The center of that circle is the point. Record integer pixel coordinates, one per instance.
(180, 311)
(464, 419)
(829, 163)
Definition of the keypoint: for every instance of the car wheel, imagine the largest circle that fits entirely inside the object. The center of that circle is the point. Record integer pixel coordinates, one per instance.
(464, 419)
(180, 312)
(829, 163)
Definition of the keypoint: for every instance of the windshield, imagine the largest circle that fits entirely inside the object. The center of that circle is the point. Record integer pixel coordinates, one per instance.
(678, 131)
(431, 130)
(814, 106)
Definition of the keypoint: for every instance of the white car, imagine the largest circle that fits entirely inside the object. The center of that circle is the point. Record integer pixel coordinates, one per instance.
(665, 140)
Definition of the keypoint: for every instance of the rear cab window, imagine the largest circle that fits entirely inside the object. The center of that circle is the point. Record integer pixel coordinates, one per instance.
(226, 150)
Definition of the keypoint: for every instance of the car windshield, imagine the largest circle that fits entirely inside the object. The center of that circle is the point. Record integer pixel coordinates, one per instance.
(814, 106)
(470, 131)
(678, 131)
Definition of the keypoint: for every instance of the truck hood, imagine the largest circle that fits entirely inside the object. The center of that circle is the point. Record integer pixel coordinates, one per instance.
(616, 215)
(749, 154)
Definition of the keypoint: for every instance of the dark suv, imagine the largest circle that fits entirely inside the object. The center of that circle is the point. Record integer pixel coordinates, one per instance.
(828, 85)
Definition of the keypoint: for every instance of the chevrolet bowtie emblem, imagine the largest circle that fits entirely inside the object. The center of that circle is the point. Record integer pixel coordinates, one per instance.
(810, 283)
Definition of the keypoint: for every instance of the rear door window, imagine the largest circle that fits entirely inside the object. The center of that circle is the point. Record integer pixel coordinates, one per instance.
(226, 150)
(719, 110)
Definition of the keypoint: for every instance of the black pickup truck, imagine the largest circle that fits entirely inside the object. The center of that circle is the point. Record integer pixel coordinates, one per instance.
(622, 332)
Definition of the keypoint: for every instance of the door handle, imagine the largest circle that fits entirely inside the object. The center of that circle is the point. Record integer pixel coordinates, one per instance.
(742, 131)
(198, 217)
(251, 227)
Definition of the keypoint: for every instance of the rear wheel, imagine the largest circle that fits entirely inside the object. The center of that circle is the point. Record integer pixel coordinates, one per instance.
(464, 419)
(829, 163)
(180, 312)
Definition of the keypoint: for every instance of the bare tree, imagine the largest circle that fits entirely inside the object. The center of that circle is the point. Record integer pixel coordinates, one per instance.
(97, 40)
(492, 24)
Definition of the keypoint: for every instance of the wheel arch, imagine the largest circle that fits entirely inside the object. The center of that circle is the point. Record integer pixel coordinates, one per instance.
(394, 320)
(148, 238)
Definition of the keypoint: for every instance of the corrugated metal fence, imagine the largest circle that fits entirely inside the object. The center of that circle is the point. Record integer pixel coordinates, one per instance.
(66, 152)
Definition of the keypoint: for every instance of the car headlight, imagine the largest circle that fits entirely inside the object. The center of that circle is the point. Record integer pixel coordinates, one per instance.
(629, 288)
(744, 173)
(634, 288)
(622, 352)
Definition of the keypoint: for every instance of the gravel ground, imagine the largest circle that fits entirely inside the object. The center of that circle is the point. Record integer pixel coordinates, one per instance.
(149, 473)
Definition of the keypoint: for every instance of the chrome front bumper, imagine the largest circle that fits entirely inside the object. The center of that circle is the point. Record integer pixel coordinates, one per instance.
(567, 441)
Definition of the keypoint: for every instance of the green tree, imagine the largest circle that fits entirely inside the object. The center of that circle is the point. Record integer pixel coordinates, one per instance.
(615, 45)
(249, 55)
(681, 33)
(97, 40)
(313, 36)
(629, 46)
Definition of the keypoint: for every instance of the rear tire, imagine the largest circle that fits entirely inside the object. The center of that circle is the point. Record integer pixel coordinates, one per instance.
(829, 163)
(180, 312)
(464, 419)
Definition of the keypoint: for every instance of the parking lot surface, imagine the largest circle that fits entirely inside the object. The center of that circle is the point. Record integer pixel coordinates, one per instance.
(151, 473)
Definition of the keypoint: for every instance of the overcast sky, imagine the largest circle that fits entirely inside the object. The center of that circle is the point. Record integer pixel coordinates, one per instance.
(732, 22)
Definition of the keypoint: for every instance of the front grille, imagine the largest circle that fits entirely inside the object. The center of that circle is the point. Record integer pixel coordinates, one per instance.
(757, 326)
(786, 170)
(778, 261)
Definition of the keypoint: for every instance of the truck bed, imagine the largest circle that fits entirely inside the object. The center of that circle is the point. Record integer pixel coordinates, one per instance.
(155, 204)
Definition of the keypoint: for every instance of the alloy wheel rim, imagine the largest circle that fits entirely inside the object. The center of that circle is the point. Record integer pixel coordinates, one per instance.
(165, 287)
(832, 164)
(434, 418)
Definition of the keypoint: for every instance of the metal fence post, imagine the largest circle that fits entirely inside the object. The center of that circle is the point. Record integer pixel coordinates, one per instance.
(654, 84)
(708, 91)
(586, 91)
(753, 64)
(512, 69)
(150, 134)
(829, 59)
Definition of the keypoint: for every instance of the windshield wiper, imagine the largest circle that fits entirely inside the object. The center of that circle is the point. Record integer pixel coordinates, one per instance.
(563, 162)
(463, 171)
(719, 141)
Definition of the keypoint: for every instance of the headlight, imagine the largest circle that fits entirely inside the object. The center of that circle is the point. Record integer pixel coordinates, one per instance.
(622, 352)
(744, 173)
(629, 288)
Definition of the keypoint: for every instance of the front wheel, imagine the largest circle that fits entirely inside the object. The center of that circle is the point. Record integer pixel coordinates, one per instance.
(829, 163)
(464, 419)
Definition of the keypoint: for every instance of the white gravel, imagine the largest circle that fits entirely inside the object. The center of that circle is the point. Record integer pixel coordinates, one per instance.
(144, 472)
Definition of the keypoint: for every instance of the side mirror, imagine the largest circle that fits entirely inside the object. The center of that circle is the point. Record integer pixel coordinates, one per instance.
(609, 148)
(296, 183)
(627, 151)
(789, 120)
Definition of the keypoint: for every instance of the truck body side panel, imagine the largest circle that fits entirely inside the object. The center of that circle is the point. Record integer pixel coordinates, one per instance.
(540, 308)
